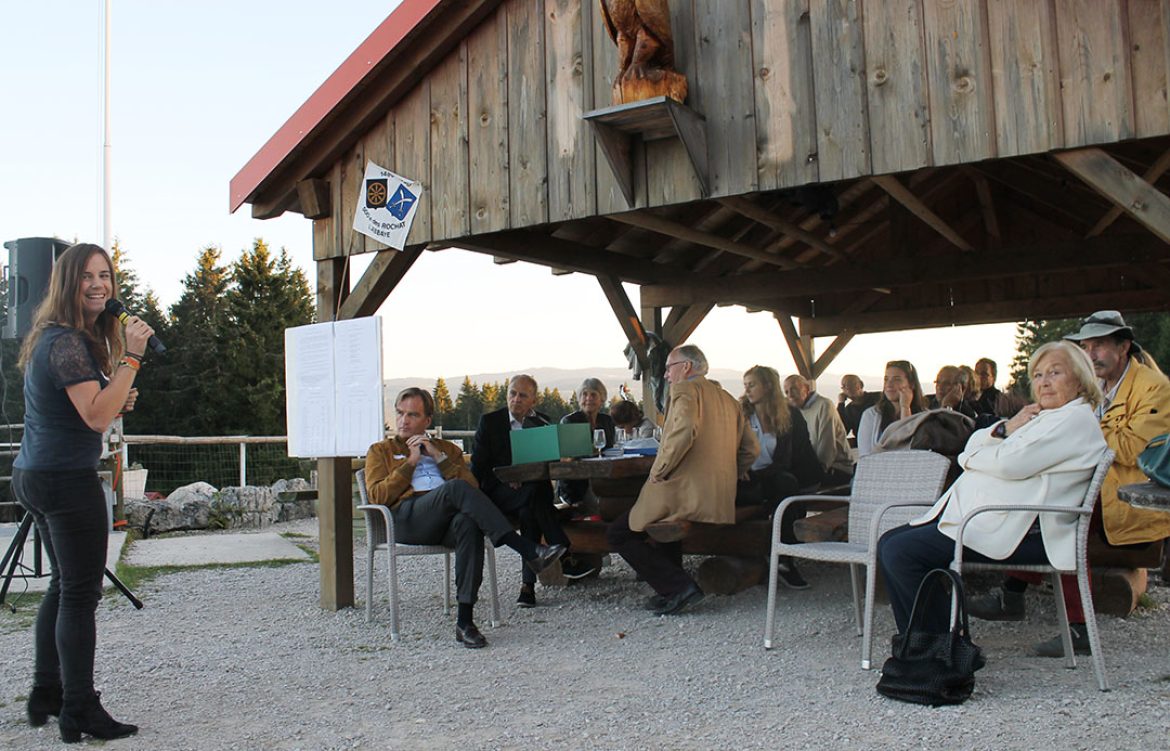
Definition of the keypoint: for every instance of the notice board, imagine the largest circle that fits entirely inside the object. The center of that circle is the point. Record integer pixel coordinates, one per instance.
(333, 387)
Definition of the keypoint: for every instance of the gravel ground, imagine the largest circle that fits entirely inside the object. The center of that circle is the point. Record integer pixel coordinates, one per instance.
(243, 658)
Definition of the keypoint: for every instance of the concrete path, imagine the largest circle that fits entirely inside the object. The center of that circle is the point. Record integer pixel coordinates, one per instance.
(204, 549)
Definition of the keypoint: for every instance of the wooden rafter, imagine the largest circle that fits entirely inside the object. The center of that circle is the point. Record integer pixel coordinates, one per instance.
(904, 196)
(1146, 204)
(987, 209)
(1152, 175)
(546, 250)
(758, 213)
(662, 225)
(830, 354)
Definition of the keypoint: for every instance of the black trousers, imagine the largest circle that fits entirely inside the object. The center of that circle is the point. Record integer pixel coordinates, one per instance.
(659, 564)
(69, 509)
(532, 504)
(906, 554)
(458, 516)
(768, 487)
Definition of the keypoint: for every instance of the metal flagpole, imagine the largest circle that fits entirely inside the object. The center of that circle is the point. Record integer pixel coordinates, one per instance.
(107, 144)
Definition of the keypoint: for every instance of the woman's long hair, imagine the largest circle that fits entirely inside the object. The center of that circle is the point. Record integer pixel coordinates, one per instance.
(887, 410)
(773, 409)
(62, 307)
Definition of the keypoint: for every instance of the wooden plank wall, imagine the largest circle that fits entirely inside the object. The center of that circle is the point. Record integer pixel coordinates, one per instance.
(793, 92)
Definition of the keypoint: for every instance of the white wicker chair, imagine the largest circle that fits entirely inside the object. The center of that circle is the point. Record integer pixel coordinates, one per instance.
(889, 489)
(380, 533)
(1085, 512)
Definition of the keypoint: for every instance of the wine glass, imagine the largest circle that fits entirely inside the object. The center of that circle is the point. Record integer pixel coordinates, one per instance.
(621, 437)
(599, 440)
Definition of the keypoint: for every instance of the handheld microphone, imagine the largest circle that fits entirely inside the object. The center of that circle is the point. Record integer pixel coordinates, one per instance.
(118, 310)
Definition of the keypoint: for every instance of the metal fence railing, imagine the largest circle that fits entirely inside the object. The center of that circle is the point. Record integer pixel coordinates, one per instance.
(174, 461)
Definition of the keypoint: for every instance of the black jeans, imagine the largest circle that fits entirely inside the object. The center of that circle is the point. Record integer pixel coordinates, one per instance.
(906, 554)
(69, 509)
(458, 516)
(532, 503)
(658, 563)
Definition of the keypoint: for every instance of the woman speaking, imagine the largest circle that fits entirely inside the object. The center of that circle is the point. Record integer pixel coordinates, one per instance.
(78, 376)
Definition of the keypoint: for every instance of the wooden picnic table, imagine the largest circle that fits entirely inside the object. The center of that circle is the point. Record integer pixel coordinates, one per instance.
(1149, 495)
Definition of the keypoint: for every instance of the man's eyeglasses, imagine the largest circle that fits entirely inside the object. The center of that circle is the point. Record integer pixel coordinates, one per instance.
(670, 365)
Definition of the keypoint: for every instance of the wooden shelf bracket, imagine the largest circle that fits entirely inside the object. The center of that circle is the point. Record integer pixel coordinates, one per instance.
(649, 119)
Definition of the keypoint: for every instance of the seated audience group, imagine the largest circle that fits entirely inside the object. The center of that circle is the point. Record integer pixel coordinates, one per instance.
(783, 438)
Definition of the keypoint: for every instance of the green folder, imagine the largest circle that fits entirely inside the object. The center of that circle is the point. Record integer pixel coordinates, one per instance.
(551, 442)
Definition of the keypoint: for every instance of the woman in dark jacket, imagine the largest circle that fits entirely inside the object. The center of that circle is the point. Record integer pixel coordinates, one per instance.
(787, 462)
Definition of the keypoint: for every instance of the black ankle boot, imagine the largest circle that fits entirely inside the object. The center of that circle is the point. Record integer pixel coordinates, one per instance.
(88, 716)
(42, 702)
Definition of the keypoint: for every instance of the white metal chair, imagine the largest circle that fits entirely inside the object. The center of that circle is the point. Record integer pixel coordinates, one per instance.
(889, 489)
(1085, 512)
(380, 536)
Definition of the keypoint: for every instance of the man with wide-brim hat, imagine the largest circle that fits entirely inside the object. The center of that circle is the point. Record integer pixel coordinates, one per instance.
(1136, 408)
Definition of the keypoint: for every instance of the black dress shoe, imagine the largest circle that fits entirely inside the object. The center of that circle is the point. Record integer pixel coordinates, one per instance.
(527, 598)
(577, 568)
(546, 555)
(42, 702)
(90, 718)
(469, 636)
(656, 602)
(692, 595)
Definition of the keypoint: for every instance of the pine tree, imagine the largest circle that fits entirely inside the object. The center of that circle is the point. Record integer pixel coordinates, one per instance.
(493, 395)
(266, 296)
(552, 404)
(443, 405)
(468, 406)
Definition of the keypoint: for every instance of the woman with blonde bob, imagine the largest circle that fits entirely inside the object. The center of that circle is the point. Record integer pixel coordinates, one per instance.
(78, 376)
(1044, 455)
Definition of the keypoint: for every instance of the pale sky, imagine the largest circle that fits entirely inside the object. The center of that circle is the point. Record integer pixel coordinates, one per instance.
(198, 87)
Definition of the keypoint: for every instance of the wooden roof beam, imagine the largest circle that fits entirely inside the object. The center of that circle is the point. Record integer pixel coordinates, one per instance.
(904, 196)
(671, 228)
(800, 357)
(683, 320)
(998, 311)
(1146, 204)
(1102, 252)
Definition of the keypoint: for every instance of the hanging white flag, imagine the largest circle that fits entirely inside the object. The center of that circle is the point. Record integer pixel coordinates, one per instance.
(386, 206)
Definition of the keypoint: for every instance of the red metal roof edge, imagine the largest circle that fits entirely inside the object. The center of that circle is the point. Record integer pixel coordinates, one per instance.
(401, 21)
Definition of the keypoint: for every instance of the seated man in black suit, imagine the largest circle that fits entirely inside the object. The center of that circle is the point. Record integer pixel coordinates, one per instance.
(531, 502)
(435, 501)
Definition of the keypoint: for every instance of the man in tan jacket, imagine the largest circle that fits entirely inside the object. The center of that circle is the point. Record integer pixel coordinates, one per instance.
(706, 446)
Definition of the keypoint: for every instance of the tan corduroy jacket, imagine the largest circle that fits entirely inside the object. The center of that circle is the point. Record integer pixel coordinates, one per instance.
(388, 473)
(707, 444)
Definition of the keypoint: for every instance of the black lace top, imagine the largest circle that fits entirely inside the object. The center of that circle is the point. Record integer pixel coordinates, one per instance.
(55, 436)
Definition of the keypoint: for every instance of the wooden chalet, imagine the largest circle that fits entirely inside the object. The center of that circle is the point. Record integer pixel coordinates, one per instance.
(850, 166)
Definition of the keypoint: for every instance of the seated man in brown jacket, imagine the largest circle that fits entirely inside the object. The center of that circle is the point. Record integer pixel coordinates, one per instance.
(707, 444)
(435, 500)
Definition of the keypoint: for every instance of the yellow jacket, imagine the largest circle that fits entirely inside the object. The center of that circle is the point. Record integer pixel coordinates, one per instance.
(1140, 411)
(389, 474)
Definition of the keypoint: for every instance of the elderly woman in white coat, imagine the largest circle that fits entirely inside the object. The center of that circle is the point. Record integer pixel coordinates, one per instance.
(1045, 455)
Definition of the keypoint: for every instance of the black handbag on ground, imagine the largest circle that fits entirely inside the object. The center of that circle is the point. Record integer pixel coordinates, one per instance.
(933, 668)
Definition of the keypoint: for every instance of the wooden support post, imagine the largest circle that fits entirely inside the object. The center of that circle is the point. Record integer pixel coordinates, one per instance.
(800, 356)
(683, 320)
(1146, 204)
(334, 477)
(379, 280)
(651, 321)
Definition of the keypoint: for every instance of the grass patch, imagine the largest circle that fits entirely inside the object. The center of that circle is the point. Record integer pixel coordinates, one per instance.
(295, 536)
(20, 612)
(1145, 602)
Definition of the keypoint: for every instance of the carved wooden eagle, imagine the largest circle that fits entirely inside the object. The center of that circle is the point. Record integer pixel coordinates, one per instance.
(641, 29)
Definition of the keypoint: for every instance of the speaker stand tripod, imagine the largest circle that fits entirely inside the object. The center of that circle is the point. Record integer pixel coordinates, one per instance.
(12, 561)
